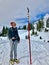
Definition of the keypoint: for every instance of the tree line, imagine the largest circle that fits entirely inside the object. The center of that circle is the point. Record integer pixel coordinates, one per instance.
(4, 31)
(39, 27)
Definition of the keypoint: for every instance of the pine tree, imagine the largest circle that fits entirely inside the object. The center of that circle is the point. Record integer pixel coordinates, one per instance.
(6, 30)
(31, 26)
(32, 30)
(24, 27)
(47, 23)
(40, 25)
(3, 31)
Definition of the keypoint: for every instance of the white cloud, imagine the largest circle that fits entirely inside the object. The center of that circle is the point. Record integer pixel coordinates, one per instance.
(10, 9)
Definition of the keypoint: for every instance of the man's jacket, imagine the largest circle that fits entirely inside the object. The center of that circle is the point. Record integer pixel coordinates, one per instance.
(13, 32)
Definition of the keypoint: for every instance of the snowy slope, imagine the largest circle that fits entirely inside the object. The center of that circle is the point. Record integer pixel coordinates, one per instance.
(40, 53)
(44, 35)
(39, 48)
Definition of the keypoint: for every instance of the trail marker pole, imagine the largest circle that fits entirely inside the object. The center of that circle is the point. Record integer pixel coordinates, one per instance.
(29, 35)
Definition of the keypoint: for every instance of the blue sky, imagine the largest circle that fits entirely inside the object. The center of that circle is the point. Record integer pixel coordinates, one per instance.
(10, 10)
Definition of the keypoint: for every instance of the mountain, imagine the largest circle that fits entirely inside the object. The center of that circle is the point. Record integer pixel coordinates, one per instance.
(46, 17)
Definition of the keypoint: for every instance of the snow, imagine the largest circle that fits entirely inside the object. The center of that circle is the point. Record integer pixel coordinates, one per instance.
(45, 19)
(44, 35)
(39, 49)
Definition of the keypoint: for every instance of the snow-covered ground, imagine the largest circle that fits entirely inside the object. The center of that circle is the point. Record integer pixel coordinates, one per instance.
(39, 48)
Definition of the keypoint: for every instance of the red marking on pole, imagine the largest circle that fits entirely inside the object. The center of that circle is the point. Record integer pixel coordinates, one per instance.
(29, 42)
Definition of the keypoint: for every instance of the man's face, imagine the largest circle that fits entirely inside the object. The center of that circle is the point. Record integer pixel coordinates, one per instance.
(13, 25)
